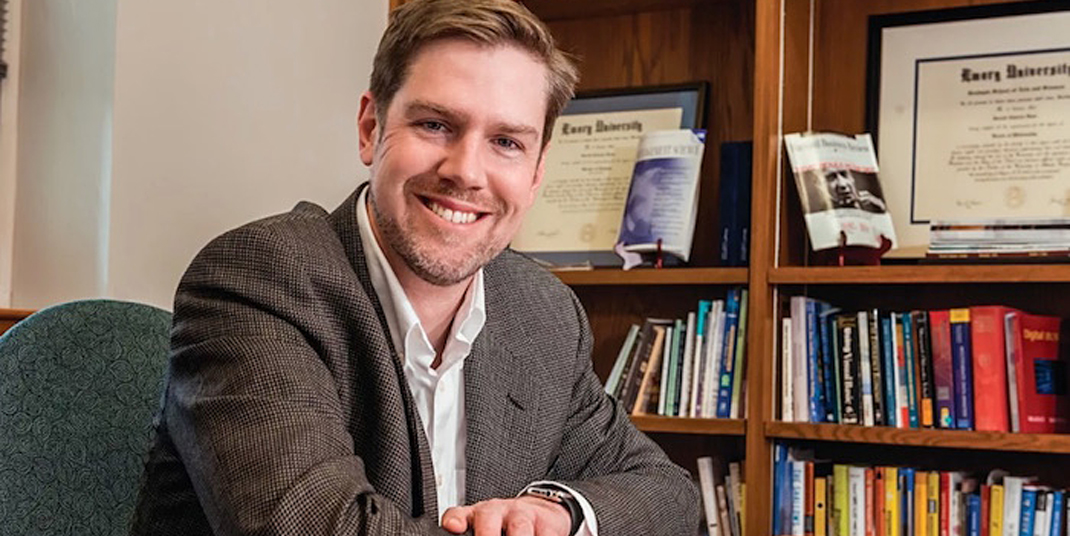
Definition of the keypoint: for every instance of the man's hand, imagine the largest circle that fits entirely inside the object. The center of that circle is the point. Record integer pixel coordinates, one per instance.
(522, 516)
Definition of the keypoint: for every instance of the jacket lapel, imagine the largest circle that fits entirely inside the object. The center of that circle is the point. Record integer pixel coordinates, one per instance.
(421, 482)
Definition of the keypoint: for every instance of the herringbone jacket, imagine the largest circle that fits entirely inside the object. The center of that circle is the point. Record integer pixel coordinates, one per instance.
(286, 410)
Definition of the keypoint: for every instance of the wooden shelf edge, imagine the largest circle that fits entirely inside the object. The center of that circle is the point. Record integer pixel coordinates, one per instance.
(683, 425)
(955, 439)
(944, 273)
(15, 314)
(651, 276)
(555, 10)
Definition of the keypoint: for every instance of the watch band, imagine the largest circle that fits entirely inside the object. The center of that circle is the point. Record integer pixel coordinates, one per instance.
(563, 498)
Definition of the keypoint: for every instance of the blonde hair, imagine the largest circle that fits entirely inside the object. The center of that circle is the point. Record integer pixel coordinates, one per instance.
(487, 22)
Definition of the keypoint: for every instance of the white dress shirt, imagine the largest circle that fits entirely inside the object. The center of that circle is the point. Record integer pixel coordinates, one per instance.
(438, 393)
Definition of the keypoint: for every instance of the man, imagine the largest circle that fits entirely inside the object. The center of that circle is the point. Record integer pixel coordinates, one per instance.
(387, 368)
(843, 190)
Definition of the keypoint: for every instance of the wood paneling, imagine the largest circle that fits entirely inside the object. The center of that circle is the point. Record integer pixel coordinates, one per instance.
(995, 273)
(650, 276)
(958, 439)
(656, 424)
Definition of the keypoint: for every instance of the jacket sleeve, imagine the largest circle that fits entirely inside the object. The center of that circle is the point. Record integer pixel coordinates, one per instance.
(253, 410)
(633, 487)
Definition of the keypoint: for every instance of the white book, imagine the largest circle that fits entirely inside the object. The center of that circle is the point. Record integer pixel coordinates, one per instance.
(799, 360)
(1012, 504)
(798, 497)
(685, 377)
(714, 335)
(722, 510)
(1042, 517)
(856, 500)
(709, 495)
(736, 492)
(622, 358)
(900, 382)
(1012, 369)
(864, 368)
(698, 366)
(787, 397)
(666, 355)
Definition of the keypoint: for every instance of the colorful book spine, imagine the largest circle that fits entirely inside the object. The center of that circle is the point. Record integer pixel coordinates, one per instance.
(1043, 397)
(1029, 510)
(698, 374)
(1058, 513)
(731, 323)
(830, 363)
(973, 515)
(926, 395)
(989, 368)
(820, 506)
(865, 371)
(911, 358)
(961, 356)
(943, 368)
(995, 510)
(892, 520)
(876, 352)
(841, 499)
(847, 327)
(888, 363)
(815, 385)
(736, 409)
(933, 504)
(902, 417)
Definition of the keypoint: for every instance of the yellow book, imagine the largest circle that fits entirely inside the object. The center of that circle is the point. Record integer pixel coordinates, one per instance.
(891, 501)
(921, 497)
(995, 515)
(841, 512)
(933, 504)
(820, 512)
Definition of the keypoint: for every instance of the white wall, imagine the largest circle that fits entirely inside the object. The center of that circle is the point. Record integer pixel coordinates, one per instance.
(222, 114)
(64, 108)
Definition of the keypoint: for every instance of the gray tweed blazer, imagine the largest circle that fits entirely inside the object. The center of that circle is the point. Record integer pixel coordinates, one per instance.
(286, 410)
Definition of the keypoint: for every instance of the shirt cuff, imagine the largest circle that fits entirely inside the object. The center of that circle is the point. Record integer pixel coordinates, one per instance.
(589, 527)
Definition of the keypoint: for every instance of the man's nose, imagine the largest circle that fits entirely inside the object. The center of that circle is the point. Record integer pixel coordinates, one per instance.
(463, 163)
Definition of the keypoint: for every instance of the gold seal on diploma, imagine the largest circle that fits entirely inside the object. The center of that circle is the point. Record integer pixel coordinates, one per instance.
(1014, 197)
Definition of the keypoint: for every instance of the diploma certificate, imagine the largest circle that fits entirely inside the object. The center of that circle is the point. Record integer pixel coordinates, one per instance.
(578, 211)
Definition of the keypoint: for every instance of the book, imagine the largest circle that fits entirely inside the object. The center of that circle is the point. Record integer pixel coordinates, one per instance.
(820, 506)
(876, 349)
(910, 357)
(943, 368)
(902, 391)
(712, 370)
(707, 487)
(1041, 373)
(926, 395)
(731, 323)
(856, 497)
(865, 372)
(697, 372)
(787, 376)
(890, 369)
(841, 501)
(672, 400)
(662, 200)
(842, 202)
(736, 408)
(1029, 510)
(735, 188)
(962, 359)
(650, 369)
(991, 412)
(688, 360)
(995, 511)
(666, 365)
(830, 363)
(622, 360)
(847, 326)
(799, 359)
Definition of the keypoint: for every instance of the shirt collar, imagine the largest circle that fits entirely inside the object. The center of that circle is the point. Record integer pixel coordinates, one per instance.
(406, 331)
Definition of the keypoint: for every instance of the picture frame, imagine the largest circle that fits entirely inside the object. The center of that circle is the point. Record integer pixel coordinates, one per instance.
(576, 216)
(942, 99)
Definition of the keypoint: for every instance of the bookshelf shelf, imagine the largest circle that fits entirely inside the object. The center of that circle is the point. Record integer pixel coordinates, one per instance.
(9, 317)
(680, 425)
(1003, 273)
(651, 276)
(557, 10)
(955, 439)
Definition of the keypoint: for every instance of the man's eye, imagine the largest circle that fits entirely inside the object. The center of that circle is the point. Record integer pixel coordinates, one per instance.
(506, 143)
(433, 126)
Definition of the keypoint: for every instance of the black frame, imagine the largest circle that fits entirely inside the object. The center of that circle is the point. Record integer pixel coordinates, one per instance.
(691, 97)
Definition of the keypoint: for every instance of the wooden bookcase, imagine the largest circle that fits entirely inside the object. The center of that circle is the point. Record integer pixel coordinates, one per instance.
(756, 56)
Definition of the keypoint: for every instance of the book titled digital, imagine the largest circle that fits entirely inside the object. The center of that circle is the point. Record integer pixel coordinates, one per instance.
(841, 197)
(659, 215)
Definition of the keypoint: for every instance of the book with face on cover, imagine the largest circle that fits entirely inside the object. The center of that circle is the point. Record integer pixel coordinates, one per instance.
(842, 201)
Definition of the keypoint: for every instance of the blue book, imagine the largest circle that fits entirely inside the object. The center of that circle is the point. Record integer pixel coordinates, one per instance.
(962, 363)
(911, 360)
(813, 360)
(731, 323)
(906, 500)
(891, 413)
(1057, 501)
(1029, 511)
(973, 515)
(780, 461)
(734, 224)
(829, 363)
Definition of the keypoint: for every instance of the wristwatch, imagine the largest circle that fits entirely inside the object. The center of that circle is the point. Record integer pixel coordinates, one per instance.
(563, 498)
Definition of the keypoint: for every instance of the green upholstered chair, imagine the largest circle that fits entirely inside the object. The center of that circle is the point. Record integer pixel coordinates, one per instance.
(79, 384)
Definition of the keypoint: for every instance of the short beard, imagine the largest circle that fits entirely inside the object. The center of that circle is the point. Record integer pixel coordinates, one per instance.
(439, 272)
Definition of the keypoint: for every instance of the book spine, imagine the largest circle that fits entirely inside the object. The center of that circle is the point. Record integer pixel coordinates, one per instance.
(986, 500)
(729, 205)
(1029, 510)
(820, 509)
(1010, 330)
(880, 528)
(889, 365)
(714, 347)
(798, 498)
(973, 515)
(709, 495)
(722, 508)
(736, 492)
(1044, 400)
(816, 402)
(945, 503)
(876, 350)
(698, 373)
(736, 409)
(865, 373)
(995, 510)
(779, 459)
(1040, 514)
(906, 476)
(731, 321)
(868, 501)
(787, 376)
(902, 417)
(841, 499)
(857, 500)
(830, 364)
(961, 354)
(943, 368)
(1058, 512)
(957, 511)
(989, 369)
(679, 330)
(933, 504)
(622, 360)
(666, 366)
(910, 356)
(1012, 505)
(891, 502)
(921, 501)
(848, 334)
(688, 358)
(925, 368)
(746, 161)
(800, 389)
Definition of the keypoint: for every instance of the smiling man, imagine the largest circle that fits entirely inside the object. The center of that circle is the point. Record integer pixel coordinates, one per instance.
(391, 367)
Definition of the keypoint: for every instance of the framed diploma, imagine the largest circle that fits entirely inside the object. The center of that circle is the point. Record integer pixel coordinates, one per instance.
(970, 108)
(576, 217)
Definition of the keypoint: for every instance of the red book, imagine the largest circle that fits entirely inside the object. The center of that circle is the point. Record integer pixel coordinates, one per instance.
(945, 503)
(870, 520)
(808, 506)
(990, 411)
(877, 506)
(986, 504)
(1040, 373)
(943, 368)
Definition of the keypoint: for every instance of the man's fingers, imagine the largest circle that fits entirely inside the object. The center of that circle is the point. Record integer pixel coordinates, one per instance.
(455, 519)
(487, 520)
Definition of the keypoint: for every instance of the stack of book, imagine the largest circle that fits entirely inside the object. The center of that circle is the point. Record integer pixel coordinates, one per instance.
(812, 497)
(722, 497)
(923, 368)
(685, 367)
(1012, 239)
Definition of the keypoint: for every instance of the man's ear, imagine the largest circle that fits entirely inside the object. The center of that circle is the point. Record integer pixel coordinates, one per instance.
(367, 127)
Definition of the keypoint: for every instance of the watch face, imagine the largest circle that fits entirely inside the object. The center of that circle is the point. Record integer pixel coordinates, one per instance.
(549, 494)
